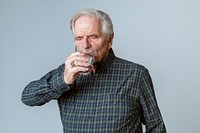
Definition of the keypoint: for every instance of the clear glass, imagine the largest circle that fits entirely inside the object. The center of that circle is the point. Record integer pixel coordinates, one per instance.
(90, 53)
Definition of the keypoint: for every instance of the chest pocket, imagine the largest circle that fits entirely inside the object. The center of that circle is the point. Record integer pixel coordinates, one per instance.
(117, 108)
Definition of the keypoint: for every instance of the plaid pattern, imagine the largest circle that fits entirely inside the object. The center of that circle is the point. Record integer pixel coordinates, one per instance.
(118, 98)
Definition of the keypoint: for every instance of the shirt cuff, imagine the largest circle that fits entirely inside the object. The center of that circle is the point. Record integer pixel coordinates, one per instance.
(59, 83)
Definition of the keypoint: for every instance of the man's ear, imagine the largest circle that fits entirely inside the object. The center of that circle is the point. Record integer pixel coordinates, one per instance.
(110, 40)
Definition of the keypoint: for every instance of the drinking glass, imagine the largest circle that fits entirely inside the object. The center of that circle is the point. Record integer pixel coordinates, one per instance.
(89, 53)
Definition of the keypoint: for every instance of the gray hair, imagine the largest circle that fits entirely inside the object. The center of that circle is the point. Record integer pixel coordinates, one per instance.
(107, 26)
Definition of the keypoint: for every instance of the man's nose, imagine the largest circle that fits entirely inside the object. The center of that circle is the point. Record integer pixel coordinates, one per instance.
(86, 43)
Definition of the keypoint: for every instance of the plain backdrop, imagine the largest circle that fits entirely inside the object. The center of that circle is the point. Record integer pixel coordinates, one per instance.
(163, 35)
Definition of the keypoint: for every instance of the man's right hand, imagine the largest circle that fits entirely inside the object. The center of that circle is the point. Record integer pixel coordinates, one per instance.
(75, 64)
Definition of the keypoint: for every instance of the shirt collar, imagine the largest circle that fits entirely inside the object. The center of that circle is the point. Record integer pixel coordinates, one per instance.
(103, 65)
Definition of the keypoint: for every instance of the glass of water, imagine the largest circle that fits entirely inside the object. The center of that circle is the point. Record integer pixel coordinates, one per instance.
(89, 53)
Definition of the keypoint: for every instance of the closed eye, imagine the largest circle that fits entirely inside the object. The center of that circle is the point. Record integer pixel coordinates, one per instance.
(93, 36)
(78, 38)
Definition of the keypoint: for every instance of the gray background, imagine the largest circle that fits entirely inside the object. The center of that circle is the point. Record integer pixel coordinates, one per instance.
(163, 35)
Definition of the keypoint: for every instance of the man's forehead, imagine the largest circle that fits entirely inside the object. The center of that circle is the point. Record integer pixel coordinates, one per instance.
(87, 25)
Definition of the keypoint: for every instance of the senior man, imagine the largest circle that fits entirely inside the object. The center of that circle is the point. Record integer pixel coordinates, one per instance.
(107, 94)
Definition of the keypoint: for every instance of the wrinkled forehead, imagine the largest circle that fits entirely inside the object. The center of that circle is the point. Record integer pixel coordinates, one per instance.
(87, 23)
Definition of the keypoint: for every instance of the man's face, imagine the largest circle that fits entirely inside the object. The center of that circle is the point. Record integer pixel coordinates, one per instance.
(88, 34)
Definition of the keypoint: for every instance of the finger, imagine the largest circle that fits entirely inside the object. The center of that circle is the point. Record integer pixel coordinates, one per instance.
(77, 70)
(81, 63)
(79, 66)
(71, 73)
(70, 60)
(77, 57)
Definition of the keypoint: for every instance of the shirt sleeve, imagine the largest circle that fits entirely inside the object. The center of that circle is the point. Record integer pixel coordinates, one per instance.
(49, 87)
(152, 118)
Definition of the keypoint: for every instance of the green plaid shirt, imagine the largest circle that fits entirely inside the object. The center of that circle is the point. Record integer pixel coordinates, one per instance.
(117, 98)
